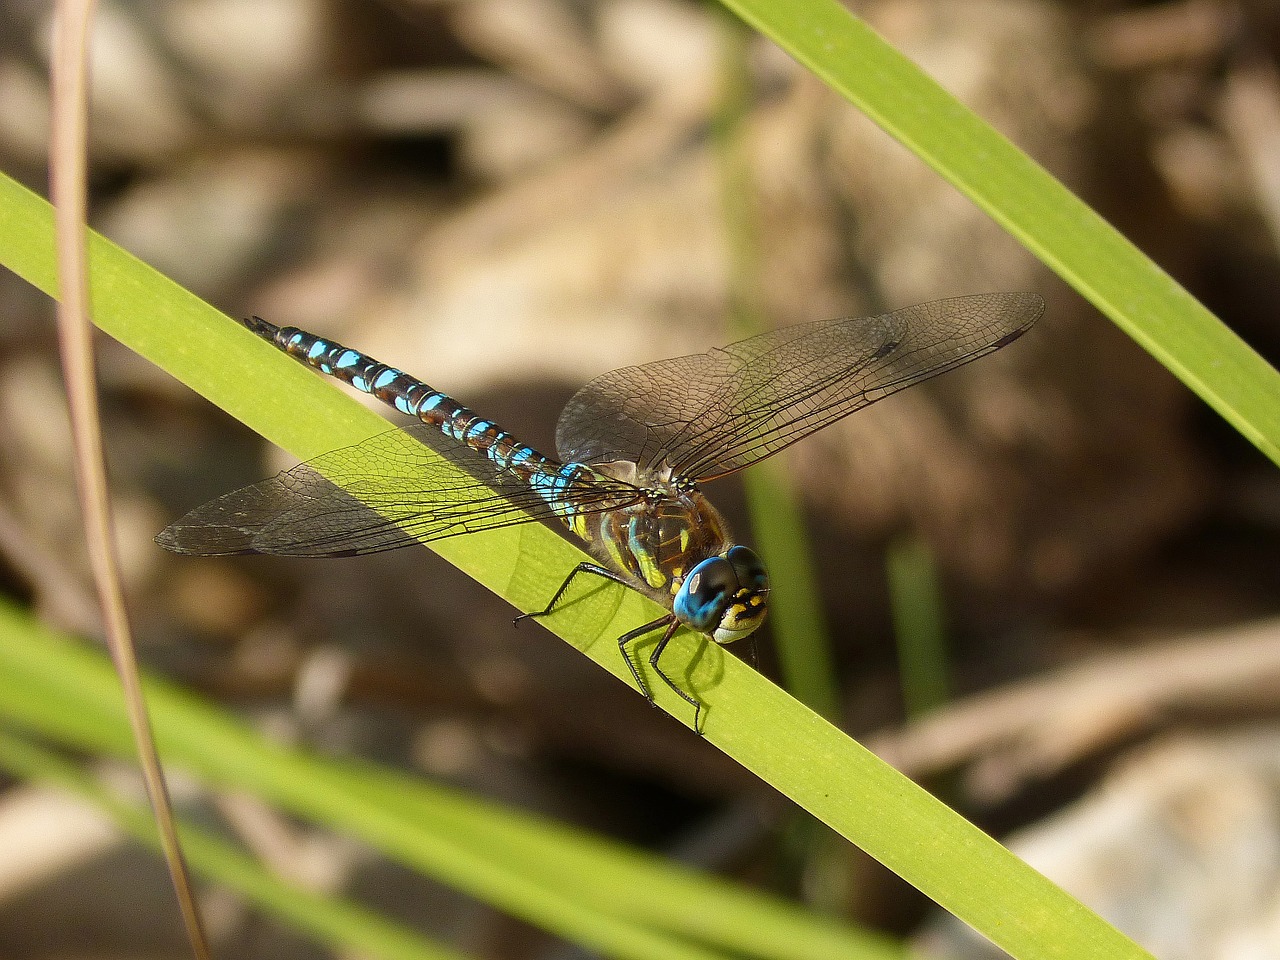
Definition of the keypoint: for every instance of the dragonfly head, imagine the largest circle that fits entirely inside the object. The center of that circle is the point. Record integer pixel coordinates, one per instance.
(725, 597)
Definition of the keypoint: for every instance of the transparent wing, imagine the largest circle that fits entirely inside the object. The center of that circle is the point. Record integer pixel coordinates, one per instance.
(708, 415)
(394, 492)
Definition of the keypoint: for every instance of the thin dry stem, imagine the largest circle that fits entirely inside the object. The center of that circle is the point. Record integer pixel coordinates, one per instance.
(68, 188)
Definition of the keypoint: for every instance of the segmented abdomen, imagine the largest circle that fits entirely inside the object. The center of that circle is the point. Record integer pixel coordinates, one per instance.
(552, 480)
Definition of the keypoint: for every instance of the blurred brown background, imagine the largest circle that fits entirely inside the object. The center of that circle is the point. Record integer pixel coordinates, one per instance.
(508, 197)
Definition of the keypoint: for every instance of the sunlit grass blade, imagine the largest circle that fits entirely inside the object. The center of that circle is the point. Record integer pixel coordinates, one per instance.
(1020, 195)
(329, 920)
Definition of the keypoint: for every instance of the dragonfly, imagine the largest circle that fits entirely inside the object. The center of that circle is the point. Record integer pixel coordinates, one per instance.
(635, 446)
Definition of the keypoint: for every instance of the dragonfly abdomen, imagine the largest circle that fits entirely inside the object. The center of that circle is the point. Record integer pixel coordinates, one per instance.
(407, 394)
(549, 478)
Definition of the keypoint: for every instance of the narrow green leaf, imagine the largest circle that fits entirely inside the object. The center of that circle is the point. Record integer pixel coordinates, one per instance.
(1021, 196)
(919, 624)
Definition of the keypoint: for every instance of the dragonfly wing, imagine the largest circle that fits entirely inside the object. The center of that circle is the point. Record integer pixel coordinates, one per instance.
(389, 491)
(708, 415)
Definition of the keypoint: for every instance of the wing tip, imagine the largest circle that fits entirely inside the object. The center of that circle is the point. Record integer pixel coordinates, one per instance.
(1023, 311)
(1032, 305)
(204, 541)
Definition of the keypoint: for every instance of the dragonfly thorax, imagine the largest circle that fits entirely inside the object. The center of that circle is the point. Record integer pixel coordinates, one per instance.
(674, 546)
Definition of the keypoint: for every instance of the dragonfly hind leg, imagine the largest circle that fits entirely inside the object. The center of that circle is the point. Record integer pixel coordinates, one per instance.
(672, 625)
(624, 642)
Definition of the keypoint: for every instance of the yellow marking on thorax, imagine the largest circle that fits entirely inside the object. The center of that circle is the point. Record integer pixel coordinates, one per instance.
(677, 580)
(649, 569)
(616, 554)
(579, 524)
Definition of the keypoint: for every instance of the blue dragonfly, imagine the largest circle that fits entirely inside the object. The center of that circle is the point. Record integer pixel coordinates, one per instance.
(634, 447)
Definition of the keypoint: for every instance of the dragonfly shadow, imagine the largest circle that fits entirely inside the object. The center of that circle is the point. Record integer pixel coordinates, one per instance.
(702, 671)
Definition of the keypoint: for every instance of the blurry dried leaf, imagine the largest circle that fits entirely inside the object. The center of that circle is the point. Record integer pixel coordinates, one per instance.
(137, 112)
(656, 44)
(1200, 171)
(251, 53)
(45, 831)
(1251, 113)
(1036, 728)
(541, 41)
(24, 121)
(208, 222)
(1180, 849)
(1164, 33)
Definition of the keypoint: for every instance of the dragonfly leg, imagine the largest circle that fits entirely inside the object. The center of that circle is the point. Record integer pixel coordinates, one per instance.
(625, 641)
(631, 635)
(584, 567)
(686, 697)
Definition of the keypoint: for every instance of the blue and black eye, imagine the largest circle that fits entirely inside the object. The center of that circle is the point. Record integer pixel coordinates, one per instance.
(704, 595)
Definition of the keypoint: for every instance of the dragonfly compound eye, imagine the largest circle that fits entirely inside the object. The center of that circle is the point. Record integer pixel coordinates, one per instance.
(747, 606)
(705, 594)
(724, 596)
(748, 569)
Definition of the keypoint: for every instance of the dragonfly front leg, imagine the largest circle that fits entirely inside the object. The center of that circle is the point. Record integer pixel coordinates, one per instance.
(584, 567)
(669, 621)
(643, 630)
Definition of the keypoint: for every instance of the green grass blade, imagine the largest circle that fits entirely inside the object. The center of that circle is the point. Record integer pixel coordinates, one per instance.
(797, 623)
(328, 920)
(633, 884)
(919, 625)
(517, 862)
(758, 724)
(1027, 201)
(796, 610)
